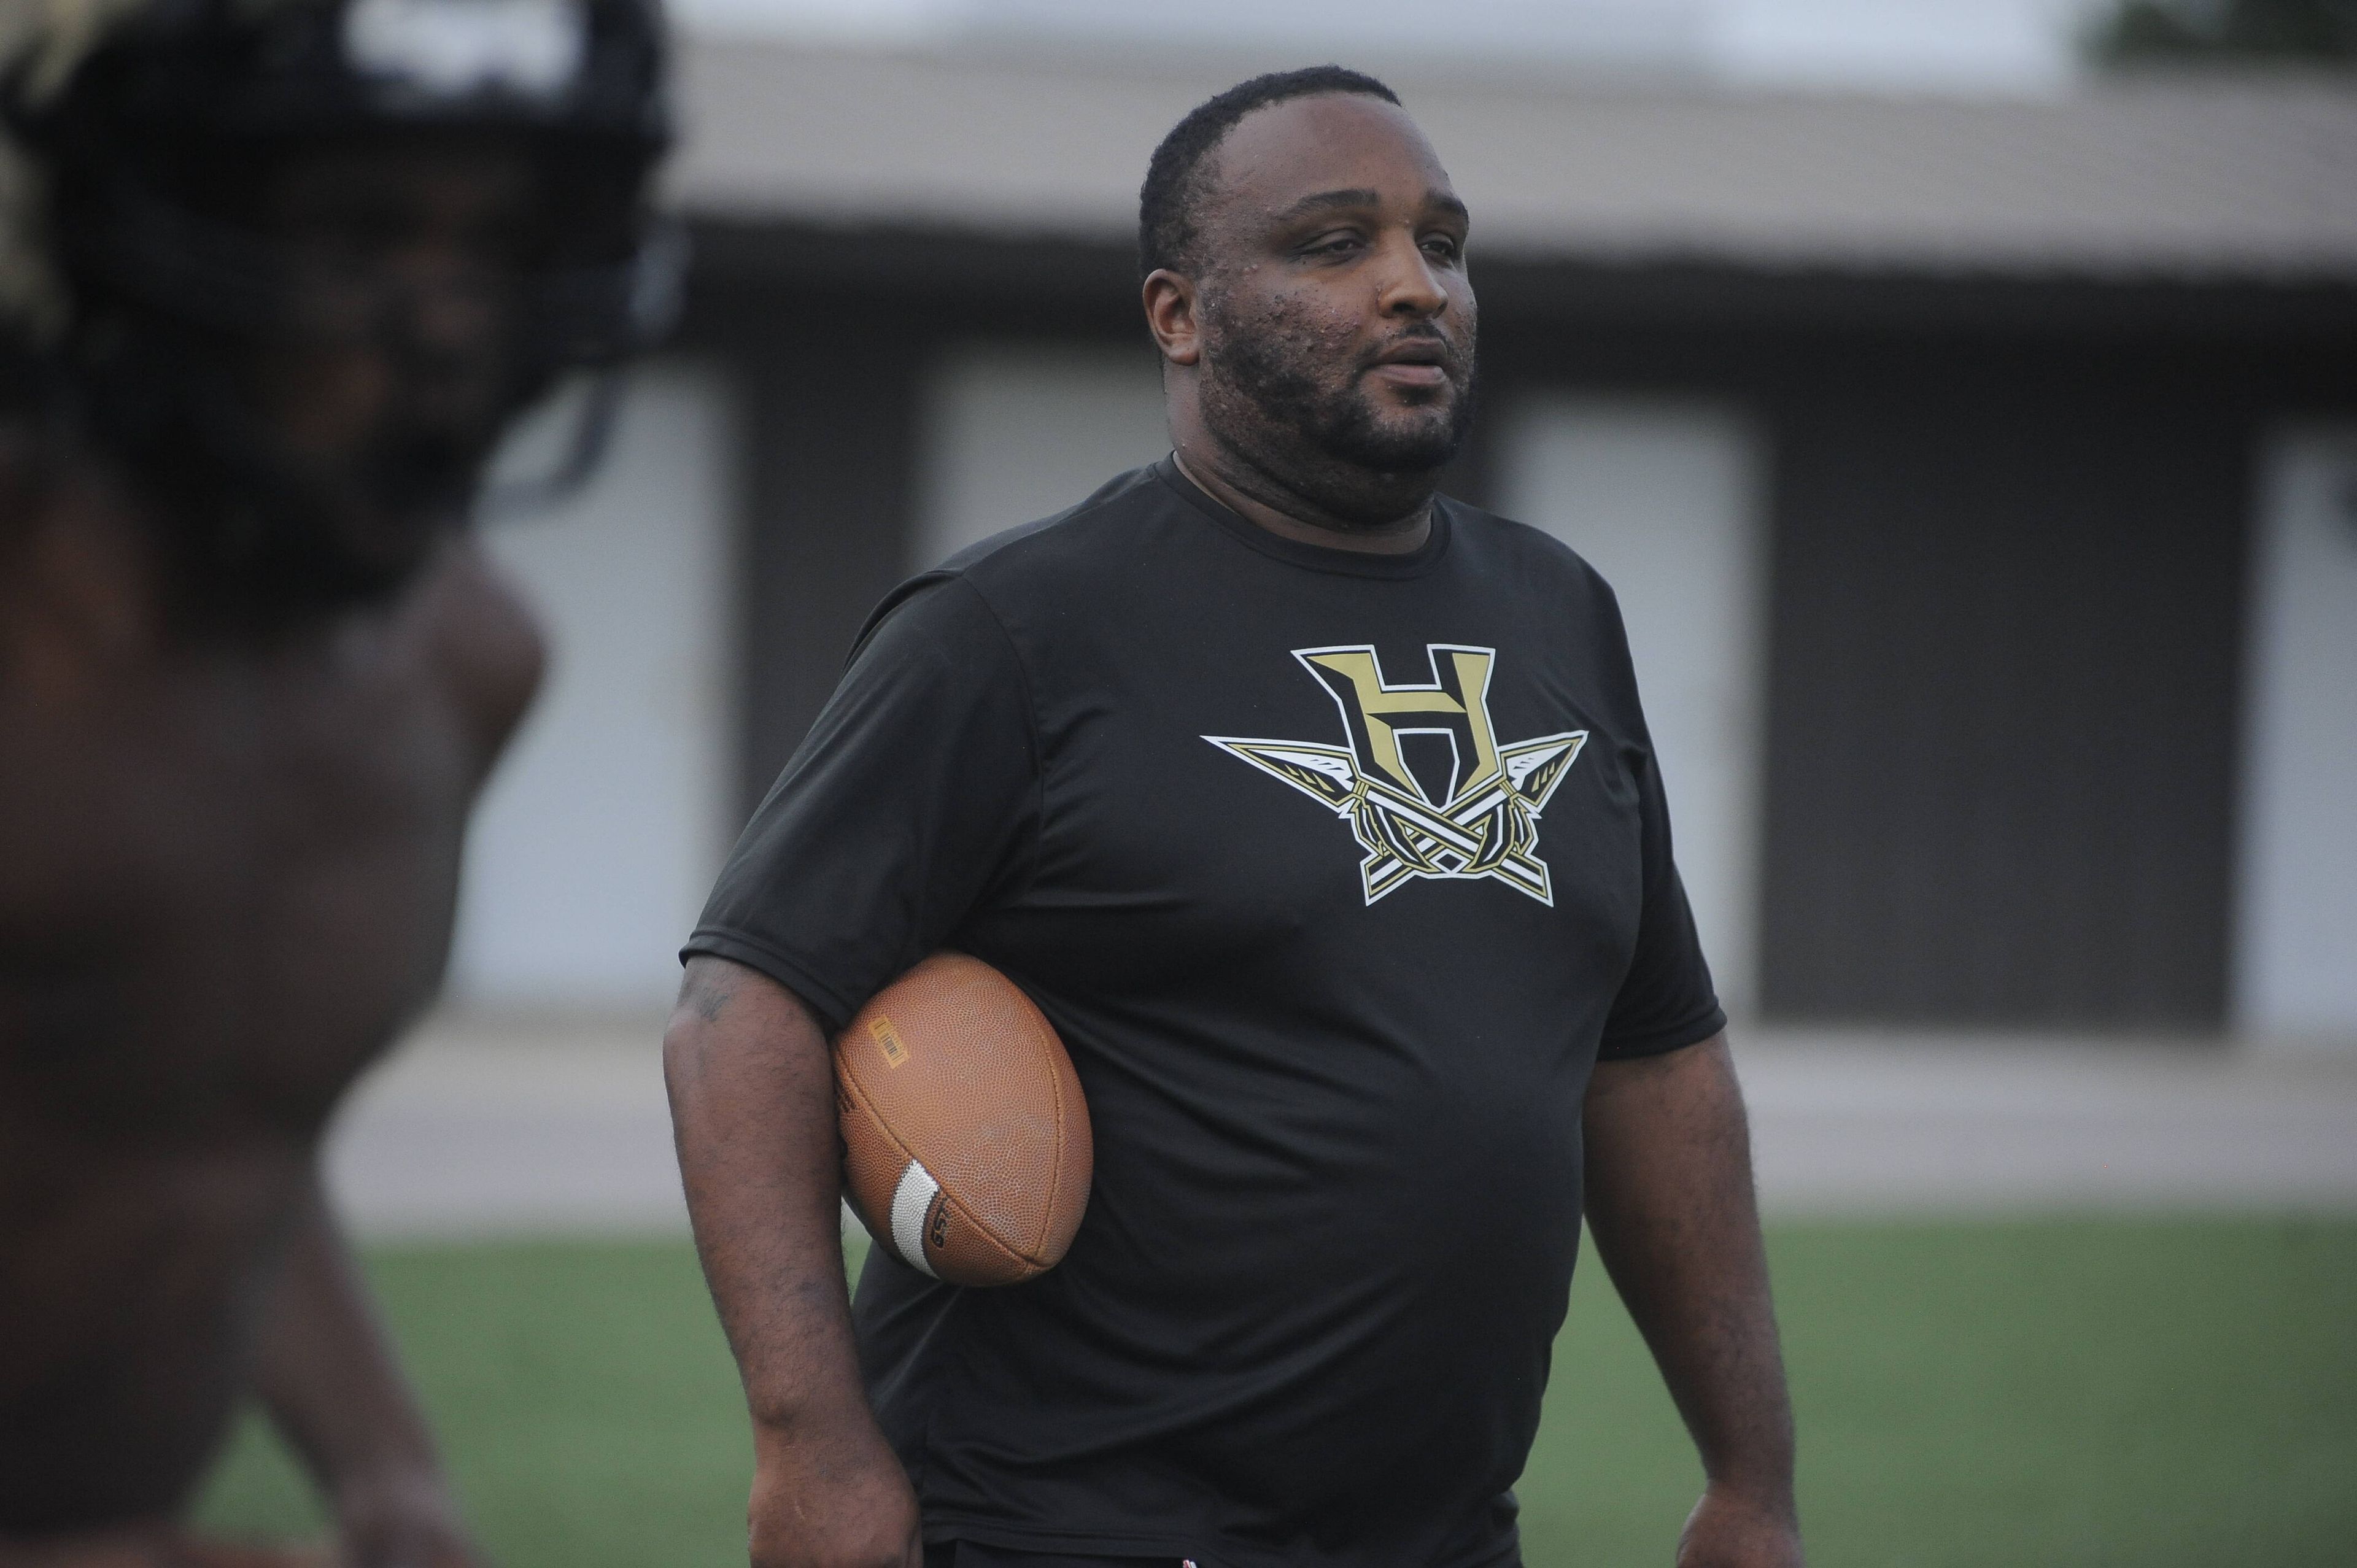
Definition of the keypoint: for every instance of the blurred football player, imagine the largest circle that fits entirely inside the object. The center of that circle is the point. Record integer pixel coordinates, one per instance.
(274, 276)
(1318, 814)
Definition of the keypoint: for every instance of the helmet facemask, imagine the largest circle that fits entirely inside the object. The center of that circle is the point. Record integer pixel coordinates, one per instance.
(303, 316)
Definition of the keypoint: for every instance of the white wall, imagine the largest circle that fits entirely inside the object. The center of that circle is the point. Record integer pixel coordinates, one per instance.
(2296, 927)
(598, 837)
(1014, 432)
(1665, 500)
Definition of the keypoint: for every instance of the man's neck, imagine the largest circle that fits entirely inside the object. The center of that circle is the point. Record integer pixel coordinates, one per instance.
(1258, 499)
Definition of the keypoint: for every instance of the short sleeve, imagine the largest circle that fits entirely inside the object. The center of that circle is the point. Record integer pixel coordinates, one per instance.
(1666, 1000)
(913, 799)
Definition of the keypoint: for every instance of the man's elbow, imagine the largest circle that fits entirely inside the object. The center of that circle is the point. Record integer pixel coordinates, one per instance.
(732, 1026)
(688, 1044)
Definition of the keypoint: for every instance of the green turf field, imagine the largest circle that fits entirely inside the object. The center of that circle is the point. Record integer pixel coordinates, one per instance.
(2145, 1394)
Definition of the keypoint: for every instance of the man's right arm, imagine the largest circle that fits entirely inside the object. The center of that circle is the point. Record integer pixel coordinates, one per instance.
(753, 1111)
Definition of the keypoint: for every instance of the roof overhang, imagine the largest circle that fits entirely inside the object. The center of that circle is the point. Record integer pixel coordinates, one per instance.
(2168, 183)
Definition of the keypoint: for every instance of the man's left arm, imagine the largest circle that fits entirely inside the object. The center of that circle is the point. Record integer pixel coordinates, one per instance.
(1669, 1205)
(328, 1375)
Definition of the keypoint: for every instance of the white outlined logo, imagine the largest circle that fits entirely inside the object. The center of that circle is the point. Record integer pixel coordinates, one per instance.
(1483, 822)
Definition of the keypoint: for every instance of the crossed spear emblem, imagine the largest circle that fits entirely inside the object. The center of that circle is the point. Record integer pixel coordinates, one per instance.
(1489, 826)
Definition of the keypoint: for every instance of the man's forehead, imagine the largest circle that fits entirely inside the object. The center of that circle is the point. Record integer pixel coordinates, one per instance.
(1278, 154)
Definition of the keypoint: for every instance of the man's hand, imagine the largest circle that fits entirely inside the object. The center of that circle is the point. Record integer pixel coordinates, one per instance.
(832, 1496)
(402, 1521)
(1727, 1530)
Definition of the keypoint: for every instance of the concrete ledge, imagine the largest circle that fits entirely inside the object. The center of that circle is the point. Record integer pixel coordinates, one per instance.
(495, 1127)
(1873, 1122)
(502, 1127)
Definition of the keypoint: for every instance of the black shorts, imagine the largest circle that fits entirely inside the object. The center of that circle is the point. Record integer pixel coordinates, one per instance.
(966, 1554)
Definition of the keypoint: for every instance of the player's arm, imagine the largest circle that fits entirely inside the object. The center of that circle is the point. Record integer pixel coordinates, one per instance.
(328, 1375)
(1671, 1206)
(753, 1108)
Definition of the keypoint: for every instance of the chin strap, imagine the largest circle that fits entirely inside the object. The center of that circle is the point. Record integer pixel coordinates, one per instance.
(592, 429)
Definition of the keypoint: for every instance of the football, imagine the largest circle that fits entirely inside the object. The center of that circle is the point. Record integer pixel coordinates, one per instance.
(966, 1145)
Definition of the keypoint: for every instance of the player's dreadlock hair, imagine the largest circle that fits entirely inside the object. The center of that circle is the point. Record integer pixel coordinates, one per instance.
(1178, 176)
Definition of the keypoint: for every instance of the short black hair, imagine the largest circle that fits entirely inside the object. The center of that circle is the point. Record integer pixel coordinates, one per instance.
(1176, 180)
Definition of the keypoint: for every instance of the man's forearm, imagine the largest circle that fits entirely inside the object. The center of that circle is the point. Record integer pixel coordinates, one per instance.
(1671, 1206)
(753, 1110)
(752, 1104)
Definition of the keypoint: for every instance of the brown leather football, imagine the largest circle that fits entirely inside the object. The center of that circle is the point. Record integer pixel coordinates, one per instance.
(966, 1148)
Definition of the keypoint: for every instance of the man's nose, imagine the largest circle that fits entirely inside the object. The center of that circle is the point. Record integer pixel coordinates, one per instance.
(1411, 286)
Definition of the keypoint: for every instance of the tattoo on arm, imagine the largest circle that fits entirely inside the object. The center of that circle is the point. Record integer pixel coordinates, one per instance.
(709, 991)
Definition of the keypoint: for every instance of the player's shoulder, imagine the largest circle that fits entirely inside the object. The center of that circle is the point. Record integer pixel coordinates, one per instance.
(480, 640)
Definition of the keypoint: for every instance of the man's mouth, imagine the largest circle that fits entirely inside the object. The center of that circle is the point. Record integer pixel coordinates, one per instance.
(1413, 362)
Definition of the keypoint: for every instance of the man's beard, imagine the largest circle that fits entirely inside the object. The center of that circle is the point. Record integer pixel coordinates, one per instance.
(1339, 424)
(283, 536)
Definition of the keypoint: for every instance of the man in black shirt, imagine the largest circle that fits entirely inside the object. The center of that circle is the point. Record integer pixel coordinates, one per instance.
(1317, 813)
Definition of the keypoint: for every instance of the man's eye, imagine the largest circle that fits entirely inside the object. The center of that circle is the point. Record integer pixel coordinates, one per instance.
(1442, 246)
(1332, 245)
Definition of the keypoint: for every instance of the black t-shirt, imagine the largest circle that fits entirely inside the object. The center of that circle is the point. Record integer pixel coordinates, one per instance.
(1335, 872)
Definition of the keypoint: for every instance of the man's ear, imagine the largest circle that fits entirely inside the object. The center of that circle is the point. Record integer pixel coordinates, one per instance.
(1170, 316)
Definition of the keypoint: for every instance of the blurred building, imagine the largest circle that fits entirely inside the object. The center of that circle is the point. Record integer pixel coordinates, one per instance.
(1979, 477)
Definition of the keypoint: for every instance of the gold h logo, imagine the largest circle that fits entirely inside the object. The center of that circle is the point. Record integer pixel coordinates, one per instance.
(1482, 822)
